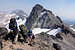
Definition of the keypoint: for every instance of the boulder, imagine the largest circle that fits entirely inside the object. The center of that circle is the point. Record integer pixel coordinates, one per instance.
(3, 32)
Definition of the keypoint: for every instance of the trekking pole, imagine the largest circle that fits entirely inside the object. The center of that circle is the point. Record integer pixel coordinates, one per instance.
(16, 39)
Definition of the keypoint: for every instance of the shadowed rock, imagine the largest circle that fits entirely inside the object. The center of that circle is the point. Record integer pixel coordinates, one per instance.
(42, 18)
(3, 32)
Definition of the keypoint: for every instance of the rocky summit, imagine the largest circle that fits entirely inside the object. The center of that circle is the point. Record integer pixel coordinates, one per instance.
(42, 18)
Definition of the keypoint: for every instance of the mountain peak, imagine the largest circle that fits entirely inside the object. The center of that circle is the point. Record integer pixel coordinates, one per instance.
(38, 7)
(41, 17)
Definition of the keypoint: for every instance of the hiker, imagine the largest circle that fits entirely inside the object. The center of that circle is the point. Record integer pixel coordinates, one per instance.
(13, 28)
(30, 37)
(65, 29)
(23, 31)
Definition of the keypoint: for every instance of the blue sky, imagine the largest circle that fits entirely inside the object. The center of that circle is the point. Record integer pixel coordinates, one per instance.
(63, 8)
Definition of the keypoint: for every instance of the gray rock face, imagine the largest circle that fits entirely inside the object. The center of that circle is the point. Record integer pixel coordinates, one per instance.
(3, 32)
(44, 41)
(33, 16)
(40, 17)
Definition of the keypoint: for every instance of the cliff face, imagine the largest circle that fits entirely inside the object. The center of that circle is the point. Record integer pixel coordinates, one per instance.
(41, 17)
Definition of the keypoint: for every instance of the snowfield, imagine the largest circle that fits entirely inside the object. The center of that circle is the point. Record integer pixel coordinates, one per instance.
(51, 32)
(72, 28)
(39, 30)
(54, 31)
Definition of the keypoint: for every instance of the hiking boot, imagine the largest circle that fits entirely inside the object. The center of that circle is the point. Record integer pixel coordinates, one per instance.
(30, 44)
(13, 43)
(26, 42)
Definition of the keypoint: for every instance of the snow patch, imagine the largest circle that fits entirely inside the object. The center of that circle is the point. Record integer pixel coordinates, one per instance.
(71, 25)
(51, 32)
(72, 29)
(54, 31)
(39, 30)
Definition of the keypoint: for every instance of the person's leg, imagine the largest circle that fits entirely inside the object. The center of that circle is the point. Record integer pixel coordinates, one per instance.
(13, 39)
(30, 41)
(24, 37)
(15, 36)
(33, 37)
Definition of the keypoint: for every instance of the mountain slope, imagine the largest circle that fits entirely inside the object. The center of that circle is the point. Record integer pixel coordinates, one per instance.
(42, 18)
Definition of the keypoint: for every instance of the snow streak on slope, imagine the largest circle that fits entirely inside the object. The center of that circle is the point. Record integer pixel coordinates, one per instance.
(72, 29)
(39, 30)
(54, 31)
(51, 32)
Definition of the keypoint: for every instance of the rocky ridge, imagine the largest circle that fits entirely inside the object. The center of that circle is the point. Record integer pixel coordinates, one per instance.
(42, 18)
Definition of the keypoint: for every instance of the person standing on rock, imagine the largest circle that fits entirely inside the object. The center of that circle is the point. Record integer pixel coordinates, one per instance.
(23, 31)
(14, 29)
(30, 38)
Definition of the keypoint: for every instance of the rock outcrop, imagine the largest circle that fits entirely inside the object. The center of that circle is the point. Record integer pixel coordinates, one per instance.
(3, 32)
(42, 18)
(62, 41)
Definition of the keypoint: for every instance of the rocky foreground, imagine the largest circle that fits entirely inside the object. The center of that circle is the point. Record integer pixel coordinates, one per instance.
(44, 41)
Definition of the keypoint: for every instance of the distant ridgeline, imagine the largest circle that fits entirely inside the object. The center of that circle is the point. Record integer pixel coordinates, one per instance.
(69, 22)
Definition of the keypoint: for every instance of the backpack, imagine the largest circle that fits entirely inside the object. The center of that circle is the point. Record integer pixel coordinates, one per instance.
(23, 29)
(13, 24)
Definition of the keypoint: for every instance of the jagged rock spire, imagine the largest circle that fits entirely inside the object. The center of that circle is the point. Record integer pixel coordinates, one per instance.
(41, 17)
